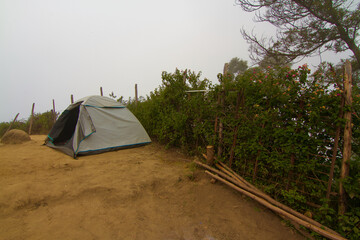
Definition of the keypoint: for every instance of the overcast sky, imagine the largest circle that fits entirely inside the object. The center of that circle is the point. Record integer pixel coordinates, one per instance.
(50, 49)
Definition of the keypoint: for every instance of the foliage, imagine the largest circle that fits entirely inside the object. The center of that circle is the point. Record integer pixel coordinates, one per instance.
(304, 27)
(237, 66)
(174, 116)
(285, 121)
(17, 125)
(274, 60)
(42, 124)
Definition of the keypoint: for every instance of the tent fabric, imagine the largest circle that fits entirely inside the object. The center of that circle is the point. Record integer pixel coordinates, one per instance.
(96, 124)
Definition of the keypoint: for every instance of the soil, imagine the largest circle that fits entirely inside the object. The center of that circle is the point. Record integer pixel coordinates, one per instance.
(140, 193)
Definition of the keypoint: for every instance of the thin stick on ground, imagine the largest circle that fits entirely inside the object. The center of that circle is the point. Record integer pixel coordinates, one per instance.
(259, 193)
(279, 210)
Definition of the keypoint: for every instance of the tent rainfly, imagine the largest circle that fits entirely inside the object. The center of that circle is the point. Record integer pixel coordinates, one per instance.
(96, 124)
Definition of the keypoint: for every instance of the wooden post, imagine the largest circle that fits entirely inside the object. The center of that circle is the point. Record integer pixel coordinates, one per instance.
(101, 92)
(12, 123)
(136, 94)
(31, 118)
(335, 149)
(226, 67)
(72, 99)
(237, 115)
(257, 157)
(184, 76)
(347, 137)
(221, 126)
(210, 155)
(221, 100)
(54, 112)
(291, 172)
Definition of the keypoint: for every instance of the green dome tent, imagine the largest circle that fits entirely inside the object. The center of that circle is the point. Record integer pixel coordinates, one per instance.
(96, 124)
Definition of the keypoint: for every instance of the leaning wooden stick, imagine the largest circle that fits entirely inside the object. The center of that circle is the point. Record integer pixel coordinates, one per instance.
(220, 173)
(12, 123)
(237, 175)
(243, 181)
(258, 193)
(279, 210)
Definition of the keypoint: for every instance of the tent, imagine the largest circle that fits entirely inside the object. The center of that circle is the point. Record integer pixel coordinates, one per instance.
(96, 124)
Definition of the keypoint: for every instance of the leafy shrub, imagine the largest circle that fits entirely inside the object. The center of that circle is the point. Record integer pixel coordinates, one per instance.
(284, 121)
(42, 124)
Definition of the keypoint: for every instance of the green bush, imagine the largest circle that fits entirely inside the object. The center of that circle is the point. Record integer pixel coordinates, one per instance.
(42, 124)
(285, 121)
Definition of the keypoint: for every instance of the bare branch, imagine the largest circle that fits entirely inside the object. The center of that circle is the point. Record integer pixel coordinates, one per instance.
(305, 27)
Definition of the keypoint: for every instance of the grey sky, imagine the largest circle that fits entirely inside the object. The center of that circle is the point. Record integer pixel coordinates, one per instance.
(50, 49)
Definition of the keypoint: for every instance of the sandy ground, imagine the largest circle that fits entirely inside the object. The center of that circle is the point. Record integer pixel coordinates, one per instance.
(139, 193)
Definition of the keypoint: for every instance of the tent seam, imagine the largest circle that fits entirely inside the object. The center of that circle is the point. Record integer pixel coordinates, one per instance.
(76, 152)
(104, 106)
(127, 145)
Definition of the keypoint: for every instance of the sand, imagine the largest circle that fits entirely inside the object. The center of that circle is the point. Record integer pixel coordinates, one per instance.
(139, 193)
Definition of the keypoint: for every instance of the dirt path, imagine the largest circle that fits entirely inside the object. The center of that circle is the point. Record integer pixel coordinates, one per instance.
(140, 193)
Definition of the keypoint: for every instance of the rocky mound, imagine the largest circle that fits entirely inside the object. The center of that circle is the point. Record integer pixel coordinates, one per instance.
(15, 136)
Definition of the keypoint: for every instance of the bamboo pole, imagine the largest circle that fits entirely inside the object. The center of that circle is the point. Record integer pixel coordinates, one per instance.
(221, 101)
(12, 123)
(242, 182)
(279, 210)
(291, 172)
(237, 176)
(257, 157)
(347, 137)
(252, 189)
(184, 76)
(334, 153)
(31, 118)
(232, 150)
(221, 125)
